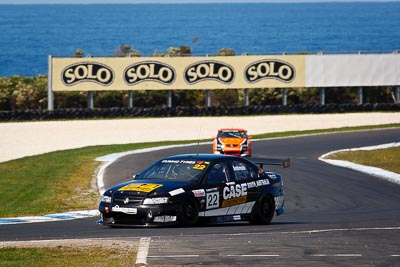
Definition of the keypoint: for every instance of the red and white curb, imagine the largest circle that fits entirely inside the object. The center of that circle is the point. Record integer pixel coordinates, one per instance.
(51, 217)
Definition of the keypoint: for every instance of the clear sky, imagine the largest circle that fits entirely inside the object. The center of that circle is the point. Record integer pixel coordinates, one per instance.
(174, 1)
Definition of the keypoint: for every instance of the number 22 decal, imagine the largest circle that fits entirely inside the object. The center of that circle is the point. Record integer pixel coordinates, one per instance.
(212, 200)
(199, 167)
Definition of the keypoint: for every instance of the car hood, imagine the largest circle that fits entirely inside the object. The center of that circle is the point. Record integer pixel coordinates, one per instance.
(151, 187)
(232, 141)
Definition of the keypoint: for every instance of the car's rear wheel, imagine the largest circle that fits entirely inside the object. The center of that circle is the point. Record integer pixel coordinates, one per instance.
(188, 213)
(263, 210)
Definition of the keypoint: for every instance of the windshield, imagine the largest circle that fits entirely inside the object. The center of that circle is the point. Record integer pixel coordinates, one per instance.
(232, 134)
(180, 170)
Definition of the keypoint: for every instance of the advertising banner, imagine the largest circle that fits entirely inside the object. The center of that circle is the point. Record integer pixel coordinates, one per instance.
(176, 73)
(352, 70)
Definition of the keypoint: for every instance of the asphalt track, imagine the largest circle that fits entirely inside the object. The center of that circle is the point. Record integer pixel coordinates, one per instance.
(334, 216)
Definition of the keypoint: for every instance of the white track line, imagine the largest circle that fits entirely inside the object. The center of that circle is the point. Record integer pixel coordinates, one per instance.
(253, 255)
(337, 255)
(143, 251)
(175, 256)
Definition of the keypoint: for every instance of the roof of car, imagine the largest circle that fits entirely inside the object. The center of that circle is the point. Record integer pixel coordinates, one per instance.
(232, 129)
(207, 157)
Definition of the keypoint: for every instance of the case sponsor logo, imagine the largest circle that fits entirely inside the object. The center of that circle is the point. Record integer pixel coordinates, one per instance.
(149, 71)
(235, 191)
(270, 69)
(209, 70)
(87, 72)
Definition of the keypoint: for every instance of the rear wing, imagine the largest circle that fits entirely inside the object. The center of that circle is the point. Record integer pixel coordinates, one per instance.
(285, 163)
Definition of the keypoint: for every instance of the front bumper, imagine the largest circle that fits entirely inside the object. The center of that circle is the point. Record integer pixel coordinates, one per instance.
(143, 215)
(239, 153)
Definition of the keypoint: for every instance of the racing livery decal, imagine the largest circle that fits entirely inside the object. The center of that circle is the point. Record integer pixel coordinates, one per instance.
(199, 193)
(117, 208)
(177, 192)
(212, 200)
(146, 188)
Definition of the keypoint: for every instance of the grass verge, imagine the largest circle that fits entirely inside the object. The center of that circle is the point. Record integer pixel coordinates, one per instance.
(63, 180)
(66, 256)
(388, 159)
(55, 182)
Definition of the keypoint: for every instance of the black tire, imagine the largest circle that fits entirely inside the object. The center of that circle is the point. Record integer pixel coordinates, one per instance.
(263, 211)
(188, 213)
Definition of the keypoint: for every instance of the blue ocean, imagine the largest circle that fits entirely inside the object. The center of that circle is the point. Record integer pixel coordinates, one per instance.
(29, 33)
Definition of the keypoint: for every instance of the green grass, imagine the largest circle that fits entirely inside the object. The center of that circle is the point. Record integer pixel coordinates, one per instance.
(55, 182)
(388, 159)
(330, 130)
(62, 181)
(66, 256)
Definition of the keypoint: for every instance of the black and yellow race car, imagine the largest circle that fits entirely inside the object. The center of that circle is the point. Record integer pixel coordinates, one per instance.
(184, 189)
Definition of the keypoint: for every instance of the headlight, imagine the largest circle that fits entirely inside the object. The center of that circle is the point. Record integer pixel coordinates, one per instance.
(106, 199)
(155, 200)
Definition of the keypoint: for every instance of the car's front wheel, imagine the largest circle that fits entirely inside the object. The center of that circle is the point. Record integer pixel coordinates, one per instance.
(188, 213)
(263, 210)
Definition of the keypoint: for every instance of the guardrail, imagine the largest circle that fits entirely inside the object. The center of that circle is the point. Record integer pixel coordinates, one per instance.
(123, 112)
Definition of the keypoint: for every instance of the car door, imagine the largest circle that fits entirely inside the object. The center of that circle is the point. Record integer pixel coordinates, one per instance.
(246, 186)
(217, 177)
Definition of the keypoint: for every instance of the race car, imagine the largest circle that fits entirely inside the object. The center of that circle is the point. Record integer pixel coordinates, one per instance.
(184, 189)
(232, 141)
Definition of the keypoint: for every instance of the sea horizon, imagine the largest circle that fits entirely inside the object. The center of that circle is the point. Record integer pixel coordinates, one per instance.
(32, 32)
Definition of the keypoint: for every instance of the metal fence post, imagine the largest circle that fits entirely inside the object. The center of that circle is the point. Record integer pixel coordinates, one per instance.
(322, 96)
(284, 97)
(246, 97)
(208, 98)
(130, 99)
(90, 101)
(50, 94)
(360, 95)
(169, 99)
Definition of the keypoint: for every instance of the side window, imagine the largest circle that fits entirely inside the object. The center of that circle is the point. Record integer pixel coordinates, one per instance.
(240, 170)
(243, 171)
(253, 172)
(218, 173)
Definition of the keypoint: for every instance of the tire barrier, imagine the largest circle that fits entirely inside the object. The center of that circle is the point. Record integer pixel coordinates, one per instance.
(123, 112)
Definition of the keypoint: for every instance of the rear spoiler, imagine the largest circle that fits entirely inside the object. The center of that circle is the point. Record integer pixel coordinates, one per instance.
(285, 163)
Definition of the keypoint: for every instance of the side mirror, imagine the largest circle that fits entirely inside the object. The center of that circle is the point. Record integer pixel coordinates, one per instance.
(250, 137)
